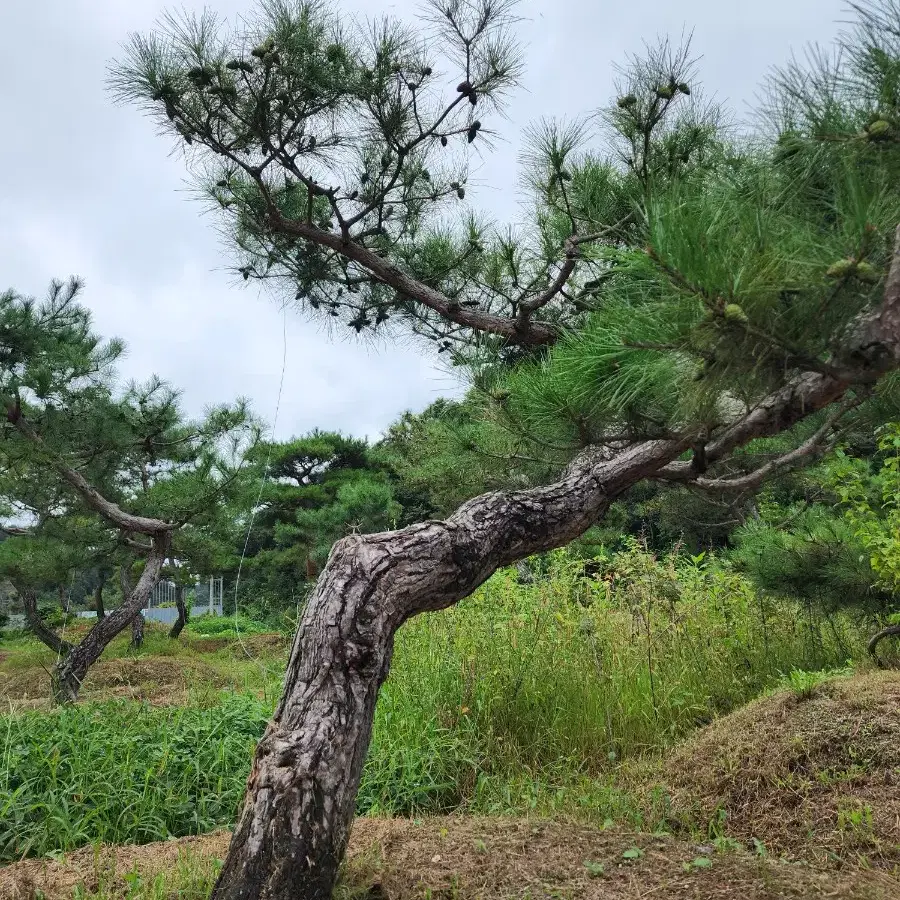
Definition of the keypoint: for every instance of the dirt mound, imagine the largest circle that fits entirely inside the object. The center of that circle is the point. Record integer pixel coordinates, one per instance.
(147, 677)
(25, 684)
(464, 858)
(209, 644)
(157, 678)
(814, 777)
(268, 644)
(252, 645)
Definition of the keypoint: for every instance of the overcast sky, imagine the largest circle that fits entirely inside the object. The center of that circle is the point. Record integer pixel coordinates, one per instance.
(88, 188)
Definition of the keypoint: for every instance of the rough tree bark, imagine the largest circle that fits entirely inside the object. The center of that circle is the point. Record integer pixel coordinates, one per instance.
(876, 639)
(69, 672)
(137, 622)
(301, 792)
(182, 619)
(137, 631)
(39, 628)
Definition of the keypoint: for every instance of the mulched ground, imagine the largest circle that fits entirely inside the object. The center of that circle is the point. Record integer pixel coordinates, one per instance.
(160, 679)
(491, 858)
(816, 779)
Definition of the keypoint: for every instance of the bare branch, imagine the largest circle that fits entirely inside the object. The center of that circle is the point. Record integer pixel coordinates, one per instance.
(529, 334)
(526, 307)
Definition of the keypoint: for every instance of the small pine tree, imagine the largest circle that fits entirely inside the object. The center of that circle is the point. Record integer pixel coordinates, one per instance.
(107, 477)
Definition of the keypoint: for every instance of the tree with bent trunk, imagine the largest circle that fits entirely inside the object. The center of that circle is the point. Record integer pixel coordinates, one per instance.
(679, 295)
(104, 475)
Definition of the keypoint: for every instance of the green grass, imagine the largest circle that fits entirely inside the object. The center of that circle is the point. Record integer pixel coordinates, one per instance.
(563, 678)
(552, 697)
(224, 626)
(191, 878)
(122, 772)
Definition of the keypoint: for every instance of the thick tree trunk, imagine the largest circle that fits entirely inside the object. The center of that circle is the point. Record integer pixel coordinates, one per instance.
(70, 671)
(137, 623)
(301, 793)
(63, 600)
(181, 621)
(137, 631)
(876, 639)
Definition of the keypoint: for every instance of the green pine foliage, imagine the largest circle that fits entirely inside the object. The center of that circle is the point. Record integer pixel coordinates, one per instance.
(131, 441)
(809, 552)
(314, 490)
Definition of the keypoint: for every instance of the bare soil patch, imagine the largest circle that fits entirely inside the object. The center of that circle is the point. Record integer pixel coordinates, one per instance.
(815, 778)
(462, 858)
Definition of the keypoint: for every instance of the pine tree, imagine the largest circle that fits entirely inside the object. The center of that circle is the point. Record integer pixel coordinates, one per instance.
(681, 292)
(107, 476)
(317, 489)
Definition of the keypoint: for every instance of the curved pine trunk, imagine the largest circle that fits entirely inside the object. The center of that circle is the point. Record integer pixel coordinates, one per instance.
(70, 671)
(182, 619)
(301, 793)
(876, 639)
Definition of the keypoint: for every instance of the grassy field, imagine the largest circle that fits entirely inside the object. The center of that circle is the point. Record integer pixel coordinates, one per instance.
(554, 698)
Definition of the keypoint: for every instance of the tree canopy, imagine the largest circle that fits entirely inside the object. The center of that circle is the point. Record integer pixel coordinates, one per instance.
(102, 475)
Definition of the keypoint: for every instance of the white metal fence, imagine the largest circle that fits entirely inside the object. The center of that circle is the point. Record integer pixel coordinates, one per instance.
(204, 598)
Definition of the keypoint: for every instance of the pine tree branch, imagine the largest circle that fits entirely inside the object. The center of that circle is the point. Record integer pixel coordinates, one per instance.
(879, 332)
(523, 334)
(571, 248)
(136, 545)
(43, 632)
(527, 307)
(808, 450)
(110, 511)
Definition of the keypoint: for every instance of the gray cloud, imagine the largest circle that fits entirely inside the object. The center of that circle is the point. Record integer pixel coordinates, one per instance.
(87, 187)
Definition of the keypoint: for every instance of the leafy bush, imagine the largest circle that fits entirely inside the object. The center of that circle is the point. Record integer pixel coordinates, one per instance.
(816, 556)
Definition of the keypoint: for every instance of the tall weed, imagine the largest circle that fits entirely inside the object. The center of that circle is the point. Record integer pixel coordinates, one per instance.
(545, 696)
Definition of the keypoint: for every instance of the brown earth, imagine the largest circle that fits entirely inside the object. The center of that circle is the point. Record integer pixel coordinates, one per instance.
(815, 778)
(269, 644)
(162, 679)
(251, 646)
(462, 858)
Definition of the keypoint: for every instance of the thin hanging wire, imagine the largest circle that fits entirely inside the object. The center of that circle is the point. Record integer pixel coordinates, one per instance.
(262, 486)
